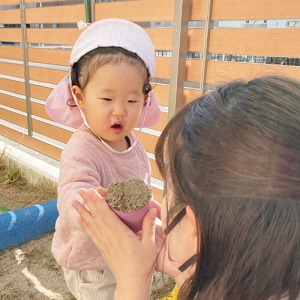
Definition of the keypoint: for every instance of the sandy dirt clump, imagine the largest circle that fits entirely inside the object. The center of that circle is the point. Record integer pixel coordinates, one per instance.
(128, 195)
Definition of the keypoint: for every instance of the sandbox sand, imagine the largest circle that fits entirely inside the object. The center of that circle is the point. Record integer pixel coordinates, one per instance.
(29, 271)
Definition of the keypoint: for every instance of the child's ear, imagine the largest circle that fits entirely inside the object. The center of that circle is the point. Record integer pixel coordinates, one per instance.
(79, 95)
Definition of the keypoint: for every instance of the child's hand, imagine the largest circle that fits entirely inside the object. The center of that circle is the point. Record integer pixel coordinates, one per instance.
(131, 258)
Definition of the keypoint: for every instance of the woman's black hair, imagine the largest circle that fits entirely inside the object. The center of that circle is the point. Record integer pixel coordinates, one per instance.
(233, 156)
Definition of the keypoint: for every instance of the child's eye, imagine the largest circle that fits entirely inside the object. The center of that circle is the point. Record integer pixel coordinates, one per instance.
(106, 99)
(132, 101)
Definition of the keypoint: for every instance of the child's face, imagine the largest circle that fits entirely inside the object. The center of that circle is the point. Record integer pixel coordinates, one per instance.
(112, 102)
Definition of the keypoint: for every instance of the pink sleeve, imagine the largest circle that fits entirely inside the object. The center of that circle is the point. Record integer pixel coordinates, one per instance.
(76, 171)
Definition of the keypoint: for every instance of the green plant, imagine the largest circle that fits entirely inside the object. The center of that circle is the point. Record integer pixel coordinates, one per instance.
(3, 209)
(11, 177)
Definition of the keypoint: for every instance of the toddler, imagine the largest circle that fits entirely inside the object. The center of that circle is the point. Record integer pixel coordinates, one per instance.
(105, 96)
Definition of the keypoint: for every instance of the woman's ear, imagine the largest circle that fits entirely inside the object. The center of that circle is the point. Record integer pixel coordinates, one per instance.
(79, 95)
(192, 219)
(193, 230)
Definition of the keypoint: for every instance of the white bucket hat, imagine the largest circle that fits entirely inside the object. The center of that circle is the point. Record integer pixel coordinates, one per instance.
(61, 104)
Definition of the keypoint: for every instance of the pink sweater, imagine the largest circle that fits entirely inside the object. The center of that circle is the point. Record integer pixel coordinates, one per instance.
(87, 163)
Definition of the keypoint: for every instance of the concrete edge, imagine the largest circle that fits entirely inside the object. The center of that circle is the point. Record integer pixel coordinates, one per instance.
(31, 168)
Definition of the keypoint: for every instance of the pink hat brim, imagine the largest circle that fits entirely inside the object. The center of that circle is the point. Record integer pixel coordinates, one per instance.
(61, 106)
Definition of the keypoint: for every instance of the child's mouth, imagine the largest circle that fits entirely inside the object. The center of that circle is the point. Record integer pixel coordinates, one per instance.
(117, 126)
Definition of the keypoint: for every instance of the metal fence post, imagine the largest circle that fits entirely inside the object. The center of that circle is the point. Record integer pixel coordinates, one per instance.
(178, 60)
(87, 5)
(92, 12)
(205, 46)
(25, 64)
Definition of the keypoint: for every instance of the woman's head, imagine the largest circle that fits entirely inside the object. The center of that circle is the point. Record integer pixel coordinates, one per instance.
(233, 156)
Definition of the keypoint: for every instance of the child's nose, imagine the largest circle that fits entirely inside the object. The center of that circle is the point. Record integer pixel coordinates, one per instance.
(119, 109)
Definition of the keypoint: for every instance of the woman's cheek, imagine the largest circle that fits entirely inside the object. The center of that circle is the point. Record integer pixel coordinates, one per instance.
(164, 213)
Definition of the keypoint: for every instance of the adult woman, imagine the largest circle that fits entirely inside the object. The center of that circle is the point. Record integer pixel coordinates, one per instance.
(232, 208)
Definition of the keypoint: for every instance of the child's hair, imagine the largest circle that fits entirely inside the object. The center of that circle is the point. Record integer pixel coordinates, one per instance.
(88, 64)
(233, 155)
